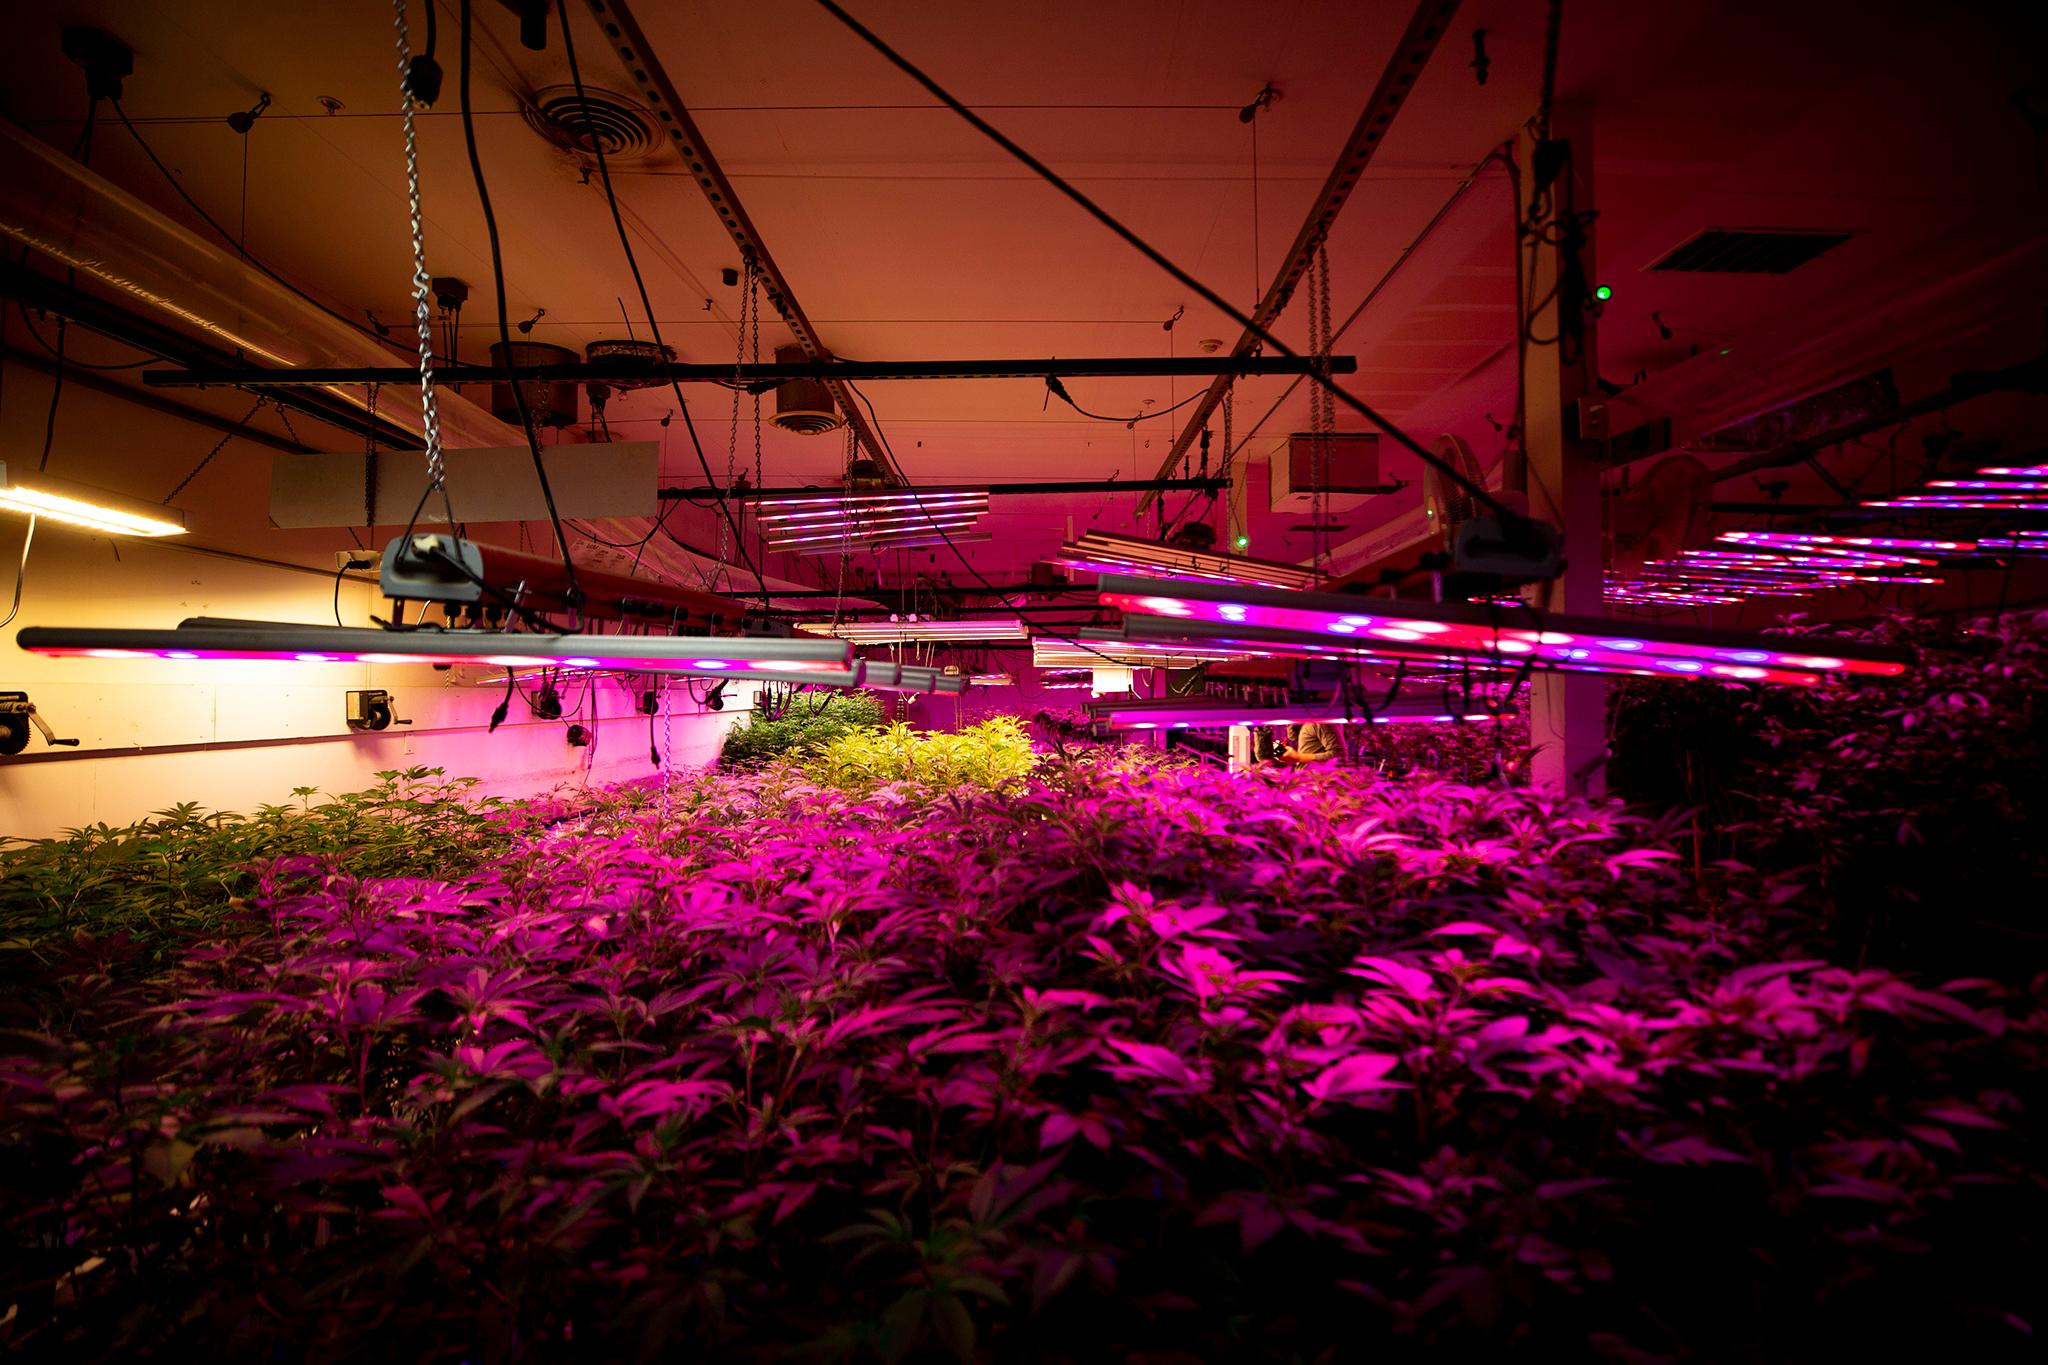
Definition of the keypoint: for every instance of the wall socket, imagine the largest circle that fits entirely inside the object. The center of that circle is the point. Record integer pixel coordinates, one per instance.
(357, 559)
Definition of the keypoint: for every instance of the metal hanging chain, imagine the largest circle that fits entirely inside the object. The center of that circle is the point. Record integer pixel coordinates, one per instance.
(422, 287)
(370, 463)
(1322, 410)
(754, 346)
(218, 446)
(746, 323)
(668, 750)
(1223, 472)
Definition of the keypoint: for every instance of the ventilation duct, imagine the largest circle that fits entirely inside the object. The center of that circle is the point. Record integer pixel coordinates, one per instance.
(804, 406)
(1750, 251)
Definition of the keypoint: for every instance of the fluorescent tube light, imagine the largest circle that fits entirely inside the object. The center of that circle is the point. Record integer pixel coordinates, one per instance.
(1102, 552)
(92, 509)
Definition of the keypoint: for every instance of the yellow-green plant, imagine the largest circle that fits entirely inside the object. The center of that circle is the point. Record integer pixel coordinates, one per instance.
(987, 756)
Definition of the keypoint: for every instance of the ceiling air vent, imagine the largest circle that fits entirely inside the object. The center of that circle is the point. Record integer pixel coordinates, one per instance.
(582, 122)
(1750, 251)
(803, 406)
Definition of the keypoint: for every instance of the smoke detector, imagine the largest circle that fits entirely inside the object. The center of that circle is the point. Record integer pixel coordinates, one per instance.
(582, 121)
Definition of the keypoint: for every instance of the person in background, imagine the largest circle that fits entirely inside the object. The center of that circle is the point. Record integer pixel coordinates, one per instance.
(1314, 742)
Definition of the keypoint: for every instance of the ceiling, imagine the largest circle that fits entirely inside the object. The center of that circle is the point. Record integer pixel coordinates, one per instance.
(905, 235)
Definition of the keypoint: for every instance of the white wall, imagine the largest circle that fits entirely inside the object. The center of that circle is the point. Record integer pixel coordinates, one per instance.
(233, 735)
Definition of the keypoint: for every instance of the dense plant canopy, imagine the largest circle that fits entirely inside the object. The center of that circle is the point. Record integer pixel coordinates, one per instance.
(987, 756)
(805, 724)
(1917, 802)
(1118, 1061)
(139, 890)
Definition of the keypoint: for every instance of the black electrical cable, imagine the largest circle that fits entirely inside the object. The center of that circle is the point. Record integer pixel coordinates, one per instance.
(229, 237)
(72, 361)
(611, 199)
(56, 392)
(1059, 391)
(1507, 517)
(483, 193)
(20, 573)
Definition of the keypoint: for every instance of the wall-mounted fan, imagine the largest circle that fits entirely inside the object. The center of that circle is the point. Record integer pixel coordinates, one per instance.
(1659, 515)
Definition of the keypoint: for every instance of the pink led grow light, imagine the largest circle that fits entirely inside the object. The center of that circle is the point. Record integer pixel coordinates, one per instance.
(1265, 618)
(1797, 538)
(1216, 717)
(825, 521)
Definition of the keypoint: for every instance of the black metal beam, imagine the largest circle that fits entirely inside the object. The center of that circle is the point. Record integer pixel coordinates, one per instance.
(44, 294)
(127, 393)
(993, 489)
(244, 376)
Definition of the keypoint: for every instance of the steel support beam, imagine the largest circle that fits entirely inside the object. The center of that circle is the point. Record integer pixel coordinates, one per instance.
(1411, 55)
(628, 43)
(766, 375)
(289, 387)
(1567, 711)
(87, 379)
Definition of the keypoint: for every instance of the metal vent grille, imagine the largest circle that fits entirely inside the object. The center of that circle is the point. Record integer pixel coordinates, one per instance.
(1750, 251)
(582, 122)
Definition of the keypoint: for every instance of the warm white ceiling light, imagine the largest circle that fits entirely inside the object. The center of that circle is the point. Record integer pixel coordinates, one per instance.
(91, 509)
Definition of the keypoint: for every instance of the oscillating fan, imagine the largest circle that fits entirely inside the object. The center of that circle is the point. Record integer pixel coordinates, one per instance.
(1444, 503)
(1656, 518)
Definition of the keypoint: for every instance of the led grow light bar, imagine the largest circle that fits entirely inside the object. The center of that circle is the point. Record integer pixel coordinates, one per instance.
(1216, 715)
(2026, 542)
(1114, 651)
(897, 518)
(91, 509)
(854, 544)
(1797, 539)
(698, 655)
(902, 632)
(828, 499)
(1102, 552)
(921, 526)
(1260, 616)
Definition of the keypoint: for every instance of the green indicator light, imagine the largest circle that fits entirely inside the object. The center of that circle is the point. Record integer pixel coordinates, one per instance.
(1604, 293)
(1243, 541)
(1724, 350)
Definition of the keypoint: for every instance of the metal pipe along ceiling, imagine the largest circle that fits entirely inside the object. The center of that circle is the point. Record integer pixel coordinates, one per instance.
(83, 221)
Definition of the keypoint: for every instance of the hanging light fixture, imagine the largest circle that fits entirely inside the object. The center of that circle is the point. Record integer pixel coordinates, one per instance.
(1102, 552)
(1212, 715)
(903, 632)
(1112, 650)
(80, 505)
(818, 523)
(1322, 625)
(702, 655)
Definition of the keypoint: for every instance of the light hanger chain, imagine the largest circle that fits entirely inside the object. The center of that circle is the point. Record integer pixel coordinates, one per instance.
(422, 285)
